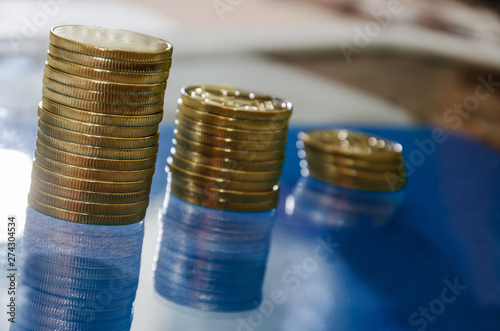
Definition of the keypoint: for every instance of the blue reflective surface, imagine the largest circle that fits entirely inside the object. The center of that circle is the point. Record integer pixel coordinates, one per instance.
(435, 266)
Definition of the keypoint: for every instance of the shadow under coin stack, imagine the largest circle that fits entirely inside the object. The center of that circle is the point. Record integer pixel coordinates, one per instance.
(355, 177)
(228, 155)
(98, 124)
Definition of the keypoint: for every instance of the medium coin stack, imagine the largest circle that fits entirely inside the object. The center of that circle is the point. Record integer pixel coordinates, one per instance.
(98, 124)
(354, 160)
(229, 148)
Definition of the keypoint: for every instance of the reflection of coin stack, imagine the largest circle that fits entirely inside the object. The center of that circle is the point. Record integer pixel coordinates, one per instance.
(354, 160)
(77, 276)
(229, 148)
(98, 124)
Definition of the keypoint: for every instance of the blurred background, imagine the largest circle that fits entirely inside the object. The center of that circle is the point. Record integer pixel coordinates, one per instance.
(377, 61)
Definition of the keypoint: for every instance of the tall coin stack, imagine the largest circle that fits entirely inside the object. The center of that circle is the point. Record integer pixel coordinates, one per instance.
(228, 154)
(229, 148)
(98, 124)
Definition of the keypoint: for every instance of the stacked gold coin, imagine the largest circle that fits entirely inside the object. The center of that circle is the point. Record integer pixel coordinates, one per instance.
(354, 160)
(229, 148)
(103, 91)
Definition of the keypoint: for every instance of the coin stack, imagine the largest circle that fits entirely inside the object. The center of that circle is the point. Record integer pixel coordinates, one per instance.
(356, 179)
(229, 148)
(98, 124)
(228, 154)
(354, 160)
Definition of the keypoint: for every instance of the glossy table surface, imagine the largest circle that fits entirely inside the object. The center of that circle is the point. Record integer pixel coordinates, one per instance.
(435, 266)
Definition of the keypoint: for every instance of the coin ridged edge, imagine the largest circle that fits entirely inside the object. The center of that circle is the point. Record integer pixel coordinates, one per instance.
(89, 196)
(231, 122)
(101, 85)
(119, 154)
(227, 163)
(92, 173)
(226, 142)
(96, 129)
(106, 75)
(89, 184)
(107, 63)
(83, 217)
(229, 153)
(93, 140)
(223, 205)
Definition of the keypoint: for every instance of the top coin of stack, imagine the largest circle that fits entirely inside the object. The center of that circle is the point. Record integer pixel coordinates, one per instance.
(103, 91)
(229, 148)
(354, 160)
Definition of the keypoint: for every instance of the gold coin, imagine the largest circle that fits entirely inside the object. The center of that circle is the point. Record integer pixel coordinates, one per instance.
(390, 183)
(224, 100)
(230, 122)
(92, 173)
(222, 204)
(228, 174)
(100, 118)
(102, 107)
(360, 173)
(240, 145)
(96, 129)
(93, 162)
(318, 156)
(119, 154)
(88, 207)
(90, 196)
(219, 183)
(226, 163)
(83, 217)
(88, 184)
(102, 97)
(228, 153)
(227, 195)
(106, 75)
(103, 86)
(108, 64)
(110, 43)
(214, 130)
(353, 144)
(100, 141)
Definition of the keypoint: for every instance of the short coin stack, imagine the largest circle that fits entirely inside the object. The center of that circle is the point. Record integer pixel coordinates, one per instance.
(354, 160)
(229, 148)
(98, 124)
